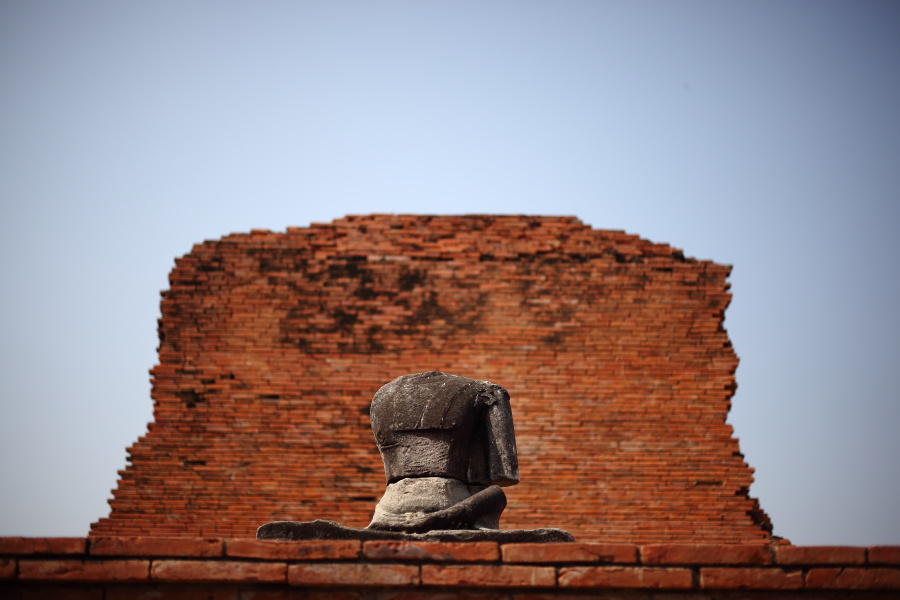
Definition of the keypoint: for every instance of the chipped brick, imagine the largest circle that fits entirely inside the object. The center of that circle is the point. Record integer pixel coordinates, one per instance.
(353, 574)
(883, 555)
(186, 591)
(155, 546)
(217, 571)
(296, 550)
(63, 592)
(751, 578)
(432, 551)
(569, 553)
(705, 554)
(820, 555)
(625, 577)
(431, 594)
(332, 595)
(488, 576)
(81, 571)
(7, 568)
(853, 578)
(38, 545)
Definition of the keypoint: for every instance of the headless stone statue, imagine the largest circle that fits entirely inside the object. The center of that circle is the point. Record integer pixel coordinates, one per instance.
(448, 445)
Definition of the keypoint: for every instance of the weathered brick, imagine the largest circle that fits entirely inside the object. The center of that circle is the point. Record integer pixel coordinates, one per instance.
(297, 550)
(749, 578)
(853, 578)
(705, 554)
(488, 575)
(580, 595)
(7, 568)
(821, 577)
(625, 577)
(820, 555)
(569, 553)
(199, 571)
(334, 595)
(155, 546)
(359, 574)
(186, 591)
(432, 594)
(883, 555)
(55, 592)
(37, 545)
(432, 551)
(81, 570)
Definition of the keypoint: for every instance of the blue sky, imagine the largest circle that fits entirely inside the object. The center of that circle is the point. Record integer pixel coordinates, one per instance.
(763, 134)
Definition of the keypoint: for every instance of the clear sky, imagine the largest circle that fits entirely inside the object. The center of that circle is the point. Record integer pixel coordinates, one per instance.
(761, 134)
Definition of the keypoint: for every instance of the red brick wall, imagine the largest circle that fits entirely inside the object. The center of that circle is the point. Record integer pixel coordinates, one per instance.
(239, 568)
(612, 348)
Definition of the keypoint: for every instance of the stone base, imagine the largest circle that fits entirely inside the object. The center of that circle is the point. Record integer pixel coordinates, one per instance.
(329, 530)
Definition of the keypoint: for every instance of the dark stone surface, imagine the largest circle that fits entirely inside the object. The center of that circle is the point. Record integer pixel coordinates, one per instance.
(329, 530)
(436, 424)
(447, 443)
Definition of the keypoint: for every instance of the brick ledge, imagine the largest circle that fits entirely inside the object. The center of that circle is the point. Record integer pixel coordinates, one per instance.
(548, 569)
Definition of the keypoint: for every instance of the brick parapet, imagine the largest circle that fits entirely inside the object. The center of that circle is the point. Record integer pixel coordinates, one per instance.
(142, 566)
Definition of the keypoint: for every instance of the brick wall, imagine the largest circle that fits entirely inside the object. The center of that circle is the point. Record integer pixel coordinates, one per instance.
(119, 568)
(612, 348)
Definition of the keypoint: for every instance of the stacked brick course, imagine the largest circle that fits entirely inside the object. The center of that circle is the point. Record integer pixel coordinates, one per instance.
(612, 348)
(240, 568)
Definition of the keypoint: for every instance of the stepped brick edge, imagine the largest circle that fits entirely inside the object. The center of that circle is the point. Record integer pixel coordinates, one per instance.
(138, 566)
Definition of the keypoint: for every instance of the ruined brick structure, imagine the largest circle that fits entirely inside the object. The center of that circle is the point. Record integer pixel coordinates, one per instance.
(612, 348)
